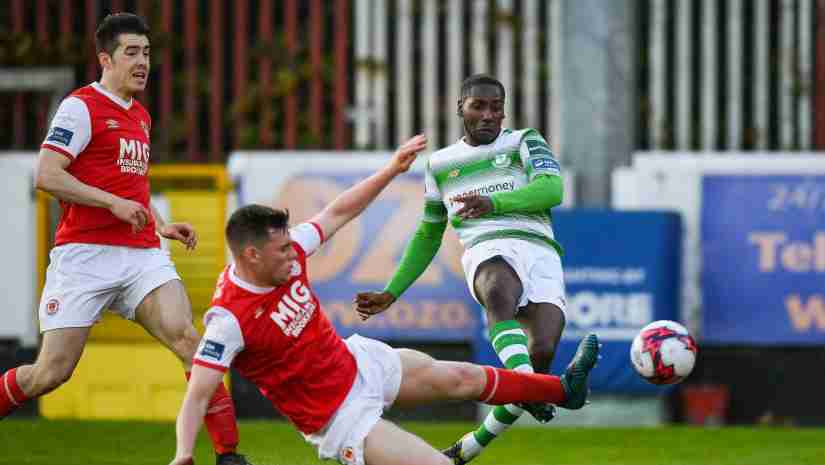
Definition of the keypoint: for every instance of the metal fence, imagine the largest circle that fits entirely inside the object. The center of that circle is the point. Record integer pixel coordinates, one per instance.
(336, 74)
(246, 73)
(728, 74)
(411, 56)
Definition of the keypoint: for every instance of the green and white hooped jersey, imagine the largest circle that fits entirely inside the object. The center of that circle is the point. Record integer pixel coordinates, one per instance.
(508, 163)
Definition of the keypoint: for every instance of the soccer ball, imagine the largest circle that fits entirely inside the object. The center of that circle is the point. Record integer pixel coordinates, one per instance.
(663, 352)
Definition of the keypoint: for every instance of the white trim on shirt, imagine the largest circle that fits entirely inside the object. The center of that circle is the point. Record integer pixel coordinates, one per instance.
(238, 281)
(122, 103)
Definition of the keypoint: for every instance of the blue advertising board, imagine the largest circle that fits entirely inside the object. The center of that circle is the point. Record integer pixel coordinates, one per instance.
(363, 256)
(763, 259)
(621, 272)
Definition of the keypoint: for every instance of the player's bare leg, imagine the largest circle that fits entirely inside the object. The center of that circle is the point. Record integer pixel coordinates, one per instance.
(387, 444)
(499, 289)
(543, 324)
(425, 380)
(167, 315)
(59, 353)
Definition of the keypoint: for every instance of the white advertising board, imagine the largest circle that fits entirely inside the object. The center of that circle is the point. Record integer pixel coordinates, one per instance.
(18, 276)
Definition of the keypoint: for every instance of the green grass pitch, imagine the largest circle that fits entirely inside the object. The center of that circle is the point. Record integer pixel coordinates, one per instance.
(44, 442)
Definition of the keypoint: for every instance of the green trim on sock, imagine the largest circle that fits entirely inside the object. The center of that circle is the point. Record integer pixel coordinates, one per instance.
(508, 340)
(503, 326)
(483, 436)
(517, 361)
(503, 415)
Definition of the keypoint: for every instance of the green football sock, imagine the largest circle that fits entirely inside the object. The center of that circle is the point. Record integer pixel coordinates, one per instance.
(510, 343)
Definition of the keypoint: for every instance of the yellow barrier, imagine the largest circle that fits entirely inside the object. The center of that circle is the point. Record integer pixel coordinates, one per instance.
(120, 381)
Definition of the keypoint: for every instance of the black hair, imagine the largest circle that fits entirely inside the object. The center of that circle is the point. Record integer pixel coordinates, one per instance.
(480, 80)
(251, 225)
(113, 25)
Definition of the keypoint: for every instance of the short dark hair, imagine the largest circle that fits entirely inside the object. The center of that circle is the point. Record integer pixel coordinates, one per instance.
(480, 80)
(113, 25)
(251, 225)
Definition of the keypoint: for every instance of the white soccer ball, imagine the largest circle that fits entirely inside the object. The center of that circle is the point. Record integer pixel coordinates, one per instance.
(663, 352)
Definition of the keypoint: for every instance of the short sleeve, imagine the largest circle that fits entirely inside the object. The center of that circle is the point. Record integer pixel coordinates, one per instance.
(431, 191)
(537, 157)
(434, 209)
(222, 341)
(308, 236)
(71, 128)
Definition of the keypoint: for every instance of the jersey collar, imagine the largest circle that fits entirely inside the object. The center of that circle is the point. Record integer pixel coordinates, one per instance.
(236, 280)
(122, 103)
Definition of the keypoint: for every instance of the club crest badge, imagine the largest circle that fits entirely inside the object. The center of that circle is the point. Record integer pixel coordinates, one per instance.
(348, 455)
(52, 306)
(502, 160)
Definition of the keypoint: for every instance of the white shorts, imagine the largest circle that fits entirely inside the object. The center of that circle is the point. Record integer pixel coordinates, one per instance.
(375, 388)
(538, 268)
(83, 280)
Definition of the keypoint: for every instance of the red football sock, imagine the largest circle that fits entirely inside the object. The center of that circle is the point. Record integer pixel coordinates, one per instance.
(220, 421)
(508, 386)
(11, 396)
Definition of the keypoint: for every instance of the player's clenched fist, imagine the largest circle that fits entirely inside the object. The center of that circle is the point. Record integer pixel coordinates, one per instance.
(131, 212)
(183, 232)
(405, 154)
(475, 206)
(368, 304)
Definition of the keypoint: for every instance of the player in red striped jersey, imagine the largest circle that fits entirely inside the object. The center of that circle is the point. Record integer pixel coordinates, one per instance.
(267, 323)
(95, 160)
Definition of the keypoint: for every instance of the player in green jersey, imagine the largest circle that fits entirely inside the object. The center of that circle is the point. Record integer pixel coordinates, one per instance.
(495, 186)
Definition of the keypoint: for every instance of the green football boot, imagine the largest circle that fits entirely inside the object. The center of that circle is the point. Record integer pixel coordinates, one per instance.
(574, 379)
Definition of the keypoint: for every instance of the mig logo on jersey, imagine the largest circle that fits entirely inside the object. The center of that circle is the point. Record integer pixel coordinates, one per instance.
(134, 157)
(295, 310)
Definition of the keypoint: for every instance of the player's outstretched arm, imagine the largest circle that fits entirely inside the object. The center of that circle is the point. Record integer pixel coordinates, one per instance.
(354, 200)
(418, 254)
(202, 385)
(51, 176)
